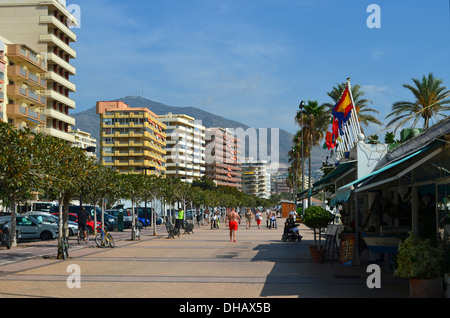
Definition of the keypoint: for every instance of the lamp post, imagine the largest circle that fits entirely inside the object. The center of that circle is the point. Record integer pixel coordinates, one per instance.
(301, 106)
(145, 203)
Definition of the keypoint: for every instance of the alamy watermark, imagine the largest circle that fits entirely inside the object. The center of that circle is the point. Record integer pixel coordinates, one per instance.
(374, 19)
(74, 279)
(228, 146)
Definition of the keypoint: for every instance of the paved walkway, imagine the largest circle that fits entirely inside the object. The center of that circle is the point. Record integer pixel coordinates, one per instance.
(200, 265)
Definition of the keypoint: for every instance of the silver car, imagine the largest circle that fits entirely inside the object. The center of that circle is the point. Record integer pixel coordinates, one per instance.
(31, 229)
(52, 219)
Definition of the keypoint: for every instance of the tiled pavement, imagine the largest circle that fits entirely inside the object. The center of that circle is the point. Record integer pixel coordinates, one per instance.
(200, 265)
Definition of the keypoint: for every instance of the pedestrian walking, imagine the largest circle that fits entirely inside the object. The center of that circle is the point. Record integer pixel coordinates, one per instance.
(233, 218)
(248, 218)
(258, 218)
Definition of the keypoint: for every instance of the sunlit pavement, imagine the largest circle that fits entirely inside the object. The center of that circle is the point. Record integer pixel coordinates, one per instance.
(204, 264)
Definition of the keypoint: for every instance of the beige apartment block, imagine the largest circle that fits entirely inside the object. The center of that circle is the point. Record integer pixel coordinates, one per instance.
(222, 152)
(84, 141)
(44, 26)
(22, 82)
(185, 147)
(132, 139)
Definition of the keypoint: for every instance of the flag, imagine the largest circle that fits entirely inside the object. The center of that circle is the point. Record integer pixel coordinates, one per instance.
(342, 110)
(332, 134)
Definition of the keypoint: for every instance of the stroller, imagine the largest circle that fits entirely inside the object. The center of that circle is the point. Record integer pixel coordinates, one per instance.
(291, 234)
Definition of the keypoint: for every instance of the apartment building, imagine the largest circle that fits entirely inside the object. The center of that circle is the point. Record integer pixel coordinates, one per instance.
(222, 153)
(255, 178)
(44, 26)
(84, 141)
(131, 138)
(22, 81)
(185, 147)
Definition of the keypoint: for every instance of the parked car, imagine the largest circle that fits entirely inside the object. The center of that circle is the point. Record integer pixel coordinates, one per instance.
(32, 229)
(127, 218)
(73, 217)
(141, 215)
(43, 206)
(110, 221)
(52, 219)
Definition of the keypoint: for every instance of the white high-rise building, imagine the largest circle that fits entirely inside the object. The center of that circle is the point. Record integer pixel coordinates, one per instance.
(255, 178)
(185, 147)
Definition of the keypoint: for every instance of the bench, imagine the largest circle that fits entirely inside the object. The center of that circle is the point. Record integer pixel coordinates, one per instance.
(172, 231)
(188, 227)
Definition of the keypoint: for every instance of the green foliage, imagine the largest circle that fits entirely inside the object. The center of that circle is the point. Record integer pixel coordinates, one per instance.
(317, 217)
(389, 138)
(417, 258)
(373, 139)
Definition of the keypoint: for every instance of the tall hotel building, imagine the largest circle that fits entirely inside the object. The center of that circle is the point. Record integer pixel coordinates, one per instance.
(131, 139)
(185, 147)
(22, 80)
(222, 152)
(43, 25)
(255, 178)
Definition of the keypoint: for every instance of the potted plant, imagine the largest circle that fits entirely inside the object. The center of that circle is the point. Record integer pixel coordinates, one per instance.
(420, 262)
(317, 218)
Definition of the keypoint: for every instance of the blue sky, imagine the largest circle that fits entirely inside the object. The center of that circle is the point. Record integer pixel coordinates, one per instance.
(254, 60)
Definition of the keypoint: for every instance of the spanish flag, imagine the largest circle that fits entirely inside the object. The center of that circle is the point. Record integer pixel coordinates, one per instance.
(342, 110)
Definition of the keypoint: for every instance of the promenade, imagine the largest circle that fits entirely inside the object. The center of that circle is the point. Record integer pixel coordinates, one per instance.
(203, 265)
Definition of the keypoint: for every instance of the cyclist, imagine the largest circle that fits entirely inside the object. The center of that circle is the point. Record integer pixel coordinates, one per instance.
(83, 216)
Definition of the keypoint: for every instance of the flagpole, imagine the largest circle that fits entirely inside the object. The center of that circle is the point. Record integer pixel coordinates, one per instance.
(355, 119)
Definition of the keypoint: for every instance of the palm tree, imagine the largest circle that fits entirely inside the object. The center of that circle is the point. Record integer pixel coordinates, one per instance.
(361, 104)
(313, 120)
(431, 101)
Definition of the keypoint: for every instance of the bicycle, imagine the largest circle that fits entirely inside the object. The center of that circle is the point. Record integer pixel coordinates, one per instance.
(105, 239)
(5, 236)
(81, 237)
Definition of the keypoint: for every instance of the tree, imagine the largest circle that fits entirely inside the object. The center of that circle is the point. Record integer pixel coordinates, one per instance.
(313, 120)
(18, 168)
(131, 185)
(431, 100)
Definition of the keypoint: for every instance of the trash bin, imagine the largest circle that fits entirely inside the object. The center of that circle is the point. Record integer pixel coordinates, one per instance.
(120, 222)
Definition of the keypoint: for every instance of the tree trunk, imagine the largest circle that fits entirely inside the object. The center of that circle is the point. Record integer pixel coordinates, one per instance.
(133, 222)
(12, 234)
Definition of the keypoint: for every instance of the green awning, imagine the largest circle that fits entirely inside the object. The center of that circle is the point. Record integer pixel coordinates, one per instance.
(337, 172)
(343, 193)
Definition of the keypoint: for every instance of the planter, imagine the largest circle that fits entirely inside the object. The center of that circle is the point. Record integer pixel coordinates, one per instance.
(425, 288)
(316, 254)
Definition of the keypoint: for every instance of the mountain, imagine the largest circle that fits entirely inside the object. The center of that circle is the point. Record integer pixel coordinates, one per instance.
(89, 121)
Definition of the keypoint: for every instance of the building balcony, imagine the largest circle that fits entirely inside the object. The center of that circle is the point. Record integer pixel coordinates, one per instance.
(18, 92)
(18, 52)
(51, 113)
(51, 57)
(59, 25)
(50, 38)
(33, 80)
(61, 80)
(60, 134)
(19, 111)
(51, 94)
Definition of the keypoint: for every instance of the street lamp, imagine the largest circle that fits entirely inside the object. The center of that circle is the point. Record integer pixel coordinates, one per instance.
(145, 204)
(301, 106)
